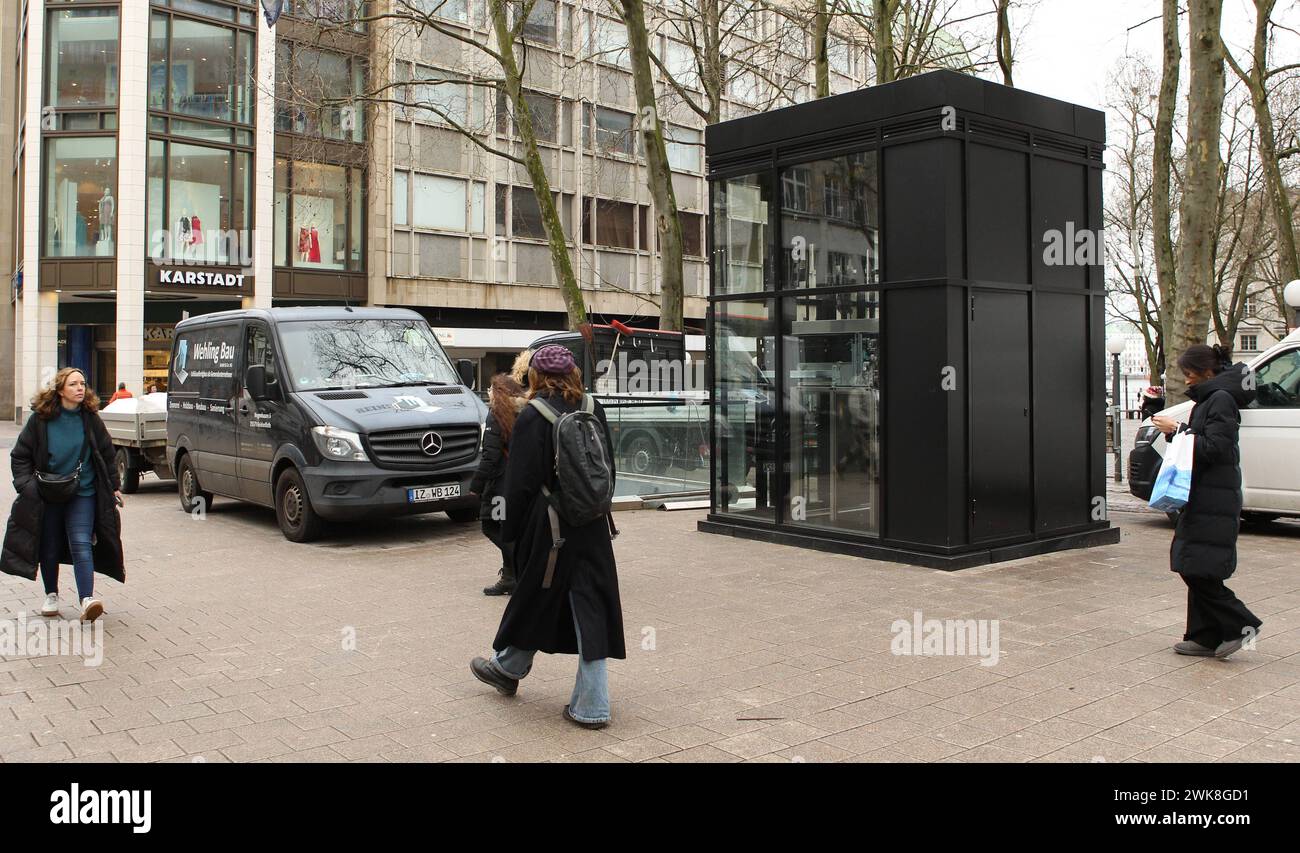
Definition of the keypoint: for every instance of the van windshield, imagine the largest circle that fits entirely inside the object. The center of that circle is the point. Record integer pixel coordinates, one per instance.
(363, 353)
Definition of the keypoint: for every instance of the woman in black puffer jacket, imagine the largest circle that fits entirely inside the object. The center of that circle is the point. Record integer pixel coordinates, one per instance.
(1204, 550)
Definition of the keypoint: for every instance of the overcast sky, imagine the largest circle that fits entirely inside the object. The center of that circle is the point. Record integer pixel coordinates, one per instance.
(1071, 46)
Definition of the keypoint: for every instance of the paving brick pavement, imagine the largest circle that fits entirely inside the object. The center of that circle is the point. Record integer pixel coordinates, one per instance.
(229, 643)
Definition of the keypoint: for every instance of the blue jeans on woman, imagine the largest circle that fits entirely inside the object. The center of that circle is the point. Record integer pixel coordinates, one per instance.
(589, 702)
(71, 526)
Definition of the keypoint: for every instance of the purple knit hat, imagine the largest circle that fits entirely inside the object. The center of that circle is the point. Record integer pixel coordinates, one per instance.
(553, 358)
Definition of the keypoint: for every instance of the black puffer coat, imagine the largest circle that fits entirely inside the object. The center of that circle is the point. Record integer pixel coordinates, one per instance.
(586, 579)
(22, 545)
(488, 479)
(1205, 541)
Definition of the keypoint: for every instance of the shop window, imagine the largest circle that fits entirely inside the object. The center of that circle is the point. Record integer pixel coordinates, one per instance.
(201, 69)
(684, 147)
(80, 196)
(81, 61)
(320, 210)
(608, 131)
(199, 203)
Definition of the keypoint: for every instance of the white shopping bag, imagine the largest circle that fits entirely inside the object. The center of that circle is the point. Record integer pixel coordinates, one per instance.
(1174, 482)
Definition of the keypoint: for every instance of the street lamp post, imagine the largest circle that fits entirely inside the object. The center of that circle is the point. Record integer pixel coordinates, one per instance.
(1115, 346)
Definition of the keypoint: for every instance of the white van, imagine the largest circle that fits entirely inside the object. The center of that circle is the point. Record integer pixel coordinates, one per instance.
(1270, 438)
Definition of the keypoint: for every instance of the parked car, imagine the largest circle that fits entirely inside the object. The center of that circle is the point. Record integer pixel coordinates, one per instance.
(1270, 438)
(323, 414)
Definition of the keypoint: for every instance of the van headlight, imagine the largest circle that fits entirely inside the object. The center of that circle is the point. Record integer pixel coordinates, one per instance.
(335, 443)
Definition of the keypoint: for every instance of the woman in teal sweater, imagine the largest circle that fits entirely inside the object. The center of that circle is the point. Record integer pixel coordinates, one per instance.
(65, 435)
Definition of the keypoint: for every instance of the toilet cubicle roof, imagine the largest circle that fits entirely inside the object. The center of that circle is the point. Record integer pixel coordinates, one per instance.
(932, 90)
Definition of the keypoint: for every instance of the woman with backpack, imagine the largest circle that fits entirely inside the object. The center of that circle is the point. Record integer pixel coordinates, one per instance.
(505, 400)
(1204, 549)
(68, 494)
(566, 597)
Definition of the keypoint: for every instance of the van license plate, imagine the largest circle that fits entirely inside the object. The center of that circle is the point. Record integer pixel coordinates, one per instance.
(433, 493)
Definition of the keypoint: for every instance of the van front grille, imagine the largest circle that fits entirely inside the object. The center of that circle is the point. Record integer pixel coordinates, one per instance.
(405, 448)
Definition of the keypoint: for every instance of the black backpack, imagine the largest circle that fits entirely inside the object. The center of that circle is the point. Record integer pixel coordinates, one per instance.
(584, 473)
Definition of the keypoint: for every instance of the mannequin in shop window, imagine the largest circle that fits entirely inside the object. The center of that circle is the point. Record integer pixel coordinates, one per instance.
(106, 209)
(308, 244)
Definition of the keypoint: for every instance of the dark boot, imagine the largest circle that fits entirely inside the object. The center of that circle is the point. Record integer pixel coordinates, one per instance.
(504, 585)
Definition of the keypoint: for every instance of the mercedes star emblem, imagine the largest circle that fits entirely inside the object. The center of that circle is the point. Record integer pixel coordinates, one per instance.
(431, 444)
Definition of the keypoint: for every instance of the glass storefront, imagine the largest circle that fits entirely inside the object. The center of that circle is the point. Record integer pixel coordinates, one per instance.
(319, 220)
(80, 196)
(199, 203)
(82, 71)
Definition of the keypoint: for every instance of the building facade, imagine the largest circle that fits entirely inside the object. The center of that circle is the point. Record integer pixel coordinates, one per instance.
(176, 157)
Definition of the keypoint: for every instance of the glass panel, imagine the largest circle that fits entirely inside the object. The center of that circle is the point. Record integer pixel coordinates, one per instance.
(203, 7)
(614, 132)
(158, 62)
(832, 358)
(828, 222)
(80, 197)
(323, 81)
(1278, 382)
(245, 87)
(202, 69)
(363, 354)
(745, 407)
(160, 247)
(454, 10)
(200, 130)
(79, 121)
(683, 146)
(740, 236)
(281, 212)
(199, 203)
(440, 101)
(526, 214)
(82, 66)
(476, 221)
(241, 214)
(401, 190)
(356, 220)
(540, 25)
(320, 215)
(439, 203)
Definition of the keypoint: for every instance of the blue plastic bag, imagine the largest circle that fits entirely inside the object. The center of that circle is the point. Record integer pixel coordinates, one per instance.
(1174, 482)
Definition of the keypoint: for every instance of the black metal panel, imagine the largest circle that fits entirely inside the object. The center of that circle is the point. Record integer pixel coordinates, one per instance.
(1000, 487)
(1061, 467)
(998, 226)
(1060, 215)
(922, 195)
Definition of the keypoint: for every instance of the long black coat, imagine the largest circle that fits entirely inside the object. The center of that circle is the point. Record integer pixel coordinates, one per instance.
(1205, 541)
(542, 619)
(487, 480)
(22, 544)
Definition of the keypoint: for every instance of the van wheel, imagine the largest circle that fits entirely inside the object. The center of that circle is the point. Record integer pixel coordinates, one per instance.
(187, 486)
(126, 475)
(298, 520)
(463, 515)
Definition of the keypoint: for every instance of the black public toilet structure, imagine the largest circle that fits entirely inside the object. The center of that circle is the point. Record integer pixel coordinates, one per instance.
(906, 324)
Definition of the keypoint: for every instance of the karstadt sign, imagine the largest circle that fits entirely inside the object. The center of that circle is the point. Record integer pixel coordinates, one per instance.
(201, 278)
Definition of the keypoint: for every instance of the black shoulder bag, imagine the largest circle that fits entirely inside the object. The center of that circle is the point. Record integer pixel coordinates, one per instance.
(61, 488)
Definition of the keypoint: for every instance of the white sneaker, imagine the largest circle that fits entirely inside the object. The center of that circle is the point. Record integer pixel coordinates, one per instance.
(51, 605)
(91, 608)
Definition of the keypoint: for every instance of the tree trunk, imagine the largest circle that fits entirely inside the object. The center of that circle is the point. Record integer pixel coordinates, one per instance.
(574, 304)
(713, 76)
(660, 175)
(1197, 213)
(1005, 59)
(1162, 168)
(821, 27)
(882, 23)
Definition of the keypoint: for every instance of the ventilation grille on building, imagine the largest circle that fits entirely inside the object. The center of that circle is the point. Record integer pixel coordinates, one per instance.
(927, 123)
(341, 395)
(1009, 134)
(1074, 149)
(863, 139)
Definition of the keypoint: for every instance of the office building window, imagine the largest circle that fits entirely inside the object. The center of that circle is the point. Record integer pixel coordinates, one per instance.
(609, 223)
(608, 131)
(1250, 343)
(684, 147)
(544, 110)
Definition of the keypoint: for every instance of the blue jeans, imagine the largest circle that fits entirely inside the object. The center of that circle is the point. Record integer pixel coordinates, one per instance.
(590, 700)
(71, 524)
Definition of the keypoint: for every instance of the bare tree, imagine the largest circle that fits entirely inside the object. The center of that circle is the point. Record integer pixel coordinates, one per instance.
(1189, 315)
(1162, 171)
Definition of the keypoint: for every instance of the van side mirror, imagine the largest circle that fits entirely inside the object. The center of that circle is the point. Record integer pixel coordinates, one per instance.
(465, 368)
(255, 382)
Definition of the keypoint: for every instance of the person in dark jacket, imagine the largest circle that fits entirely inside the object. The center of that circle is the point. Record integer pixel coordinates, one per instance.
(1204, 550)
(505, 399)
(580, 613)
(64, 432)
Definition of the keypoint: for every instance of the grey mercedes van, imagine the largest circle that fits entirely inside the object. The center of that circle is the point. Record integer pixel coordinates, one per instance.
(324, 414)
